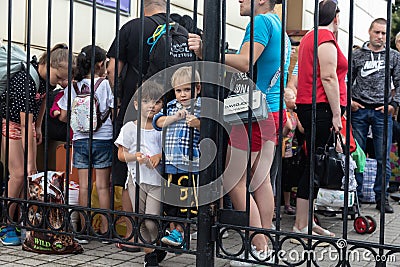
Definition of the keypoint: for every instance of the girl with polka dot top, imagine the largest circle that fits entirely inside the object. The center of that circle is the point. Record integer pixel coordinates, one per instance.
(19, 131)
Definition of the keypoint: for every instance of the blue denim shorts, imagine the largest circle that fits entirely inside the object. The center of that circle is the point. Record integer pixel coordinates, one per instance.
(101, 154)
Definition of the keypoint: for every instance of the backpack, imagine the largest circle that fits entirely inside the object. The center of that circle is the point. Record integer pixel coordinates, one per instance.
(17, 63)
(178, 44)
(80, 109)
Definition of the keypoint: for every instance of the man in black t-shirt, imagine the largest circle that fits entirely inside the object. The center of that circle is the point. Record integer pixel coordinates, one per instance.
(129, 43)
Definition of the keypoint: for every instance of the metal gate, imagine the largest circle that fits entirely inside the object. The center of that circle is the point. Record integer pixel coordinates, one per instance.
(213, 220)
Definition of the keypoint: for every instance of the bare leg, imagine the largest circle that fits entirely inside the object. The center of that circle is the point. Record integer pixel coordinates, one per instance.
(127, 206)
(83, 192)
(301, 213)
(286, 198)
(236, 171)
(16, 169)
(260, 181)
(103, 191)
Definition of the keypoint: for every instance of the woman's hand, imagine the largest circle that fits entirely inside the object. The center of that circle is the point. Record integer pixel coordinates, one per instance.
(195, 44)
(337, 123)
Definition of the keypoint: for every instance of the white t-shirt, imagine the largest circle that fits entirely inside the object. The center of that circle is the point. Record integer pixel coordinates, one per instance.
(150, 145)
(106, 100)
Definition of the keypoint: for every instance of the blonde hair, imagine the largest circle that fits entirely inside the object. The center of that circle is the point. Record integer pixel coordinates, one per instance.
(58, 56)
(397, 36)
(183, 75)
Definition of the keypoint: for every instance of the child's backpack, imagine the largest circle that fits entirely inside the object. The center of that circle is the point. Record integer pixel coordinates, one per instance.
(178, 44)
(17, 63)
(80, 109)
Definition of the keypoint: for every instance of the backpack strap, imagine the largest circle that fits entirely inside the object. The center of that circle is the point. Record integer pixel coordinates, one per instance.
(96, 85)
(98, 82)
(108, 113)
(35, 76)
(75, 85)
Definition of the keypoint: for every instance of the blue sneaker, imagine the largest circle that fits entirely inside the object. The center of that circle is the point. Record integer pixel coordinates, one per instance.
(174, 239)
(8, 236)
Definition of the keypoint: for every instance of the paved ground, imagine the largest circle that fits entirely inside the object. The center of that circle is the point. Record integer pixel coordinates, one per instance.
(98, 254)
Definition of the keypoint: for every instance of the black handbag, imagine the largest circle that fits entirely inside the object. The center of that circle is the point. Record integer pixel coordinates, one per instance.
(329, 164)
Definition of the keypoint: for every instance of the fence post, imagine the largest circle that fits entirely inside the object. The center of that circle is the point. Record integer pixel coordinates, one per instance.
(211, 49)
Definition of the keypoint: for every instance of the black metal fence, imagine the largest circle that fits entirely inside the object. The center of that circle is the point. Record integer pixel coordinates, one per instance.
(212, 219)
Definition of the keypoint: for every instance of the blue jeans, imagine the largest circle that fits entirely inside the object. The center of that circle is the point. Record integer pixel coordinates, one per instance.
(360, 121)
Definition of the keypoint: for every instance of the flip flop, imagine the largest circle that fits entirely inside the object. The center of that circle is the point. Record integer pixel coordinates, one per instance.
(305, 231)
(127, 247)
(323, 231)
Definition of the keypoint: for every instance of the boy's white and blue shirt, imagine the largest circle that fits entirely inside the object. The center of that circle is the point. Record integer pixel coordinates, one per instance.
(177, 141)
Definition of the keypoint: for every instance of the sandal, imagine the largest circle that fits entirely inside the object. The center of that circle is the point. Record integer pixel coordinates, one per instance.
(322, 231)
(305, 231)
(127, 248)
(289, 210)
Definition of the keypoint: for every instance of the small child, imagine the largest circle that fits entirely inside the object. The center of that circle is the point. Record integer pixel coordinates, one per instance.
(102, 144)
(149, 157)
(178, 123)
(290, 149)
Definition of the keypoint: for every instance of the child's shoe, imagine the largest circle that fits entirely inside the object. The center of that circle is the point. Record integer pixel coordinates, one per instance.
(150, 260)
(8, 236)
(174, 239)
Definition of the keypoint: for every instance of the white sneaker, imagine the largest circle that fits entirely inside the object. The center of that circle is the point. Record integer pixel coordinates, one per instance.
(82, 241)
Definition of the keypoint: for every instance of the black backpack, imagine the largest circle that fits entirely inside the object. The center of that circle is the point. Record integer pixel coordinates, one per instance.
(178, 45)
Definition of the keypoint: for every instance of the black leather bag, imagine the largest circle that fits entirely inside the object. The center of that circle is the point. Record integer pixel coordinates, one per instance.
(328, 165)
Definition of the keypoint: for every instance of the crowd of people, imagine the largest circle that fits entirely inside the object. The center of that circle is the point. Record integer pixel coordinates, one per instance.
(179, 118)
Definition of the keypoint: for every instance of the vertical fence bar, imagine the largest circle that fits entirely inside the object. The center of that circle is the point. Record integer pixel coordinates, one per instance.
(70, 58)
(313, 126)
(385, 129)
(139, 121)
(28, 55)
(7, 148)
(46, 139)
(250, 128)
(348, 126)
(278, 179)
(211, 22)
(116, 93)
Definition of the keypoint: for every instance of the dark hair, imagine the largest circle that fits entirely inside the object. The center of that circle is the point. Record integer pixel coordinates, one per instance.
(378, 21)
(84, 65)
(327, 12)
(186, 22)
(150, 90)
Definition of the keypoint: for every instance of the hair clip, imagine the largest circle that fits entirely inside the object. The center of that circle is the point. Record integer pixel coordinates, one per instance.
(83, 53)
